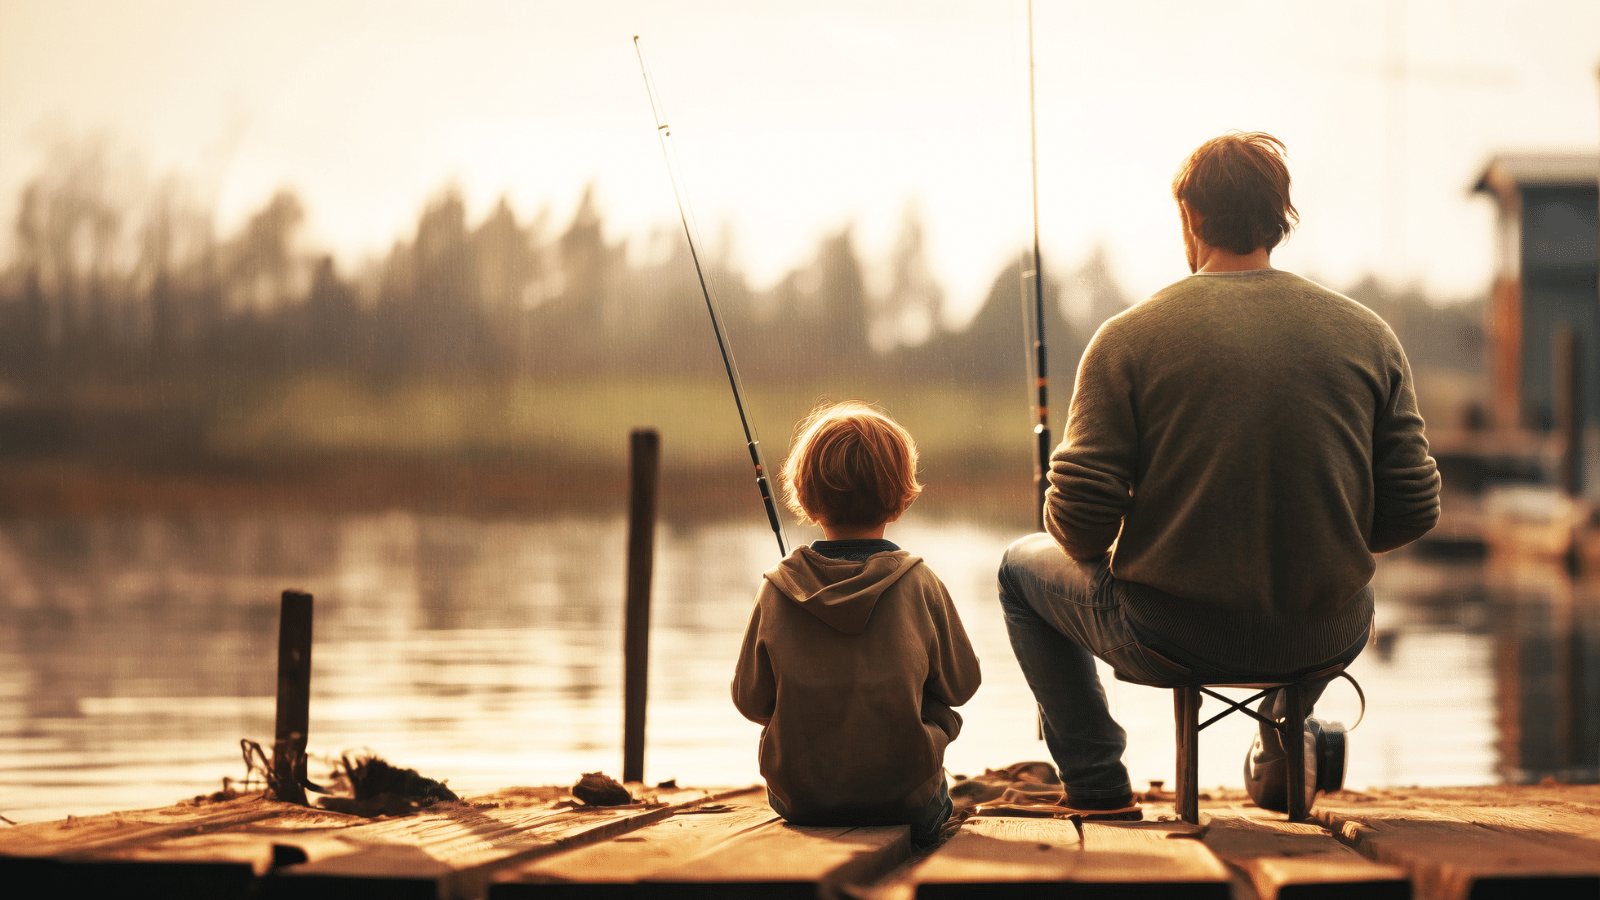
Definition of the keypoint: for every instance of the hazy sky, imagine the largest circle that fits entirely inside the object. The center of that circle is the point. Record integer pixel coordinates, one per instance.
(795, 119)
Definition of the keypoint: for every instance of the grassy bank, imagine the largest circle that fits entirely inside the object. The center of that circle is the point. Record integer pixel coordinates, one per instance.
(967, 426)
(511, 447)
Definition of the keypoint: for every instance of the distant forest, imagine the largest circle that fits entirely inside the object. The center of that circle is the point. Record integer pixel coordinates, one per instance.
(121, 284)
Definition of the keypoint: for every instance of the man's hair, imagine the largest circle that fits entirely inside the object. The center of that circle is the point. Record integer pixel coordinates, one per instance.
(1238, 184)
(850, 464)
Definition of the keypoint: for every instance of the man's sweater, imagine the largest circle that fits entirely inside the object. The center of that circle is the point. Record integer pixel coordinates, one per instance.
(1243, 443)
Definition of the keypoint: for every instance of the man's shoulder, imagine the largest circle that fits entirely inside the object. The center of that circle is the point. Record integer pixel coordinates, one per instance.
(1251, 281)
(1265, 285)
(1328, 303)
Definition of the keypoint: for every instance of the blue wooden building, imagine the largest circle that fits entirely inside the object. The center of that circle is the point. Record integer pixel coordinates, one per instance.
(1547, 277)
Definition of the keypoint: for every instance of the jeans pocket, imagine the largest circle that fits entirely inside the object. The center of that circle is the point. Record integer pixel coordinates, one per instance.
(1091, 599)
(1169, 670)
(1092, 590)
(1135, 662)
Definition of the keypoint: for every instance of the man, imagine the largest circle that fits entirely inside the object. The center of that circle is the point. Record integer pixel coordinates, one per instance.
(1238, 447)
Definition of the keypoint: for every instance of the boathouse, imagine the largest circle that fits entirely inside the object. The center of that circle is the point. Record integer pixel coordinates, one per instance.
(1547, 279)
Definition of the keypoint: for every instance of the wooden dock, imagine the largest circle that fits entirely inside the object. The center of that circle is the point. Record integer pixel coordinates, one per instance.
(1539, 841)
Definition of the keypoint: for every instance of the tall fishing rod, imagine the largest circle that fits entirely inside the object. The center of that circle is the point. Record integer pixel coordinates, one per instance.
(1041, 431)
(664, 132)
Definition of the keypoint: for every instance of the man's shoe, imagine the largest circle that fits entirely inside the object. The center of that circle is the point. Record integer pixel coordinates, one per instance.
(1331, 758)
(1265, 774)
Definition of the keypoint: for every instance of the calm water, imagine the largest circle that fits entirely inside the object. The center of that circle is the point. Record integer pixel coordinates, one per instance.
(136, 652)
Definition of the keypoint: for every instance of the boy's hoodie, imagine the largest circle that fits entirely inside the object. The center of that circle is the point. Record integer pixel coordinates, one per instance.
(853, 668)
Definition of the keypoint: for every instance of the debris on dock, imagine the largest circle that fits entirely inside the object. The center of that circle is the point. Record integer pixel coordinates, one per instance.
(367, 785)
(600, 789)
(376, 787)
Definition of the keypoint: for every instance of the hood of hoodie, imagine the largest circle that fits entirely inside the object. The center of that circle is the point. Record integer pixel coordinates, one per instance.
(840, 592)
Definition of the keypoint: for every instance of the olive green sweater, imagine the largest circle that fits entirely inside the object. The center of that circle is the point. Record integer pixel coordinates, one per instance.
(1243, 443)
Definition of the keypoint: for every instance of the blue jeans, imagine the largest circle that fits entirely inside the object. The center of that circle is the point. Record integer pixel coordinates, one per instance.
(1061, 614)
(925, 822)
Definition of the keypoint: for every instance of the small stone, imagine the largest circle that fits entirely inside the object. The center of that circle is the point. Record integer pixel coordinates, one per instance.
(600, 789)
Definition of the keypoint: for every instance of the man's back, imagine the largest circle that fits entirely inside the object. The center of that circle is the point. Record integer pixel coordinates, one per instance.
(1268, 433)
(1247, 440)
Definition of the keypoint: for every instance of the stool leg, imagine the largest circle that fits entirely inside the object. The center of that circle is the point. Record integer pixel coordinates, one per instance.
(1293, 731)
(1186, 710)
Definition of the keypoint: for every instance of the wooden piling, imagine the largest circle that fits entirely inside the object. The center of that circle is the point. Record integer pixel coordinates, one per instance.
(644, 455)
(294, 697)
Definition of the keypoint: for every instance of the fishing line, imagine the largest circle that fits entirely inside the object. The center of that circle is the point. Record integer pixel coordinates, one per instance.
(674, 171)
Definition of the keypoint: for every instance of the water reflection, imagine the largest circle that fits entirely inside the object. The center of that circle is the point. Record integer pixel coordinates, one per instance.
(135, 652)
(1546, 630)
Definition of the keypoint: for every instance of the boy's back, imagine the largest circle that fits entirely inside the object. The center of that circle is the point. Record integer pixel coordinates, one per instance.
(853, 665)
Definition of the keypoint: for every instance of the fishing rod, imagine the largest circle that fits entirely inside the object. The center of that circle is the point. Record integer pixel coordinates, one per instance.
(1041, 431)
(664, 132)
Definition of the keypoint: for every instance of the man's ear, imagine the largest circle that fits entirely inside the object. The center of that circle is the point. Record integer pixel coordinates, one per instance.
(1191, 219)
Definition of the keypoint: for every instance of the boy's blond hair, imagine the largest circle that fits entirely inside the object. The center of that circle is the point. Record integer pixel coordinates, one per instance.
(850, 465)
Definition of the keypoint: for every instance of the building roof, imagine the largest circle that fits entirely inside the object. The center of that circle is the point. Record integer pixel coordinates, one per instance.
(1509, 171)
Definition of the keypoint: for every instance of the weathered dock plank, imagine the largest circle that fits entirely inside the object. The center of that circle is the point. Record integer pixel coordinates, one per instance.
(96, 855)
(260, 843)
(619, 867)
(1551, 792)
(736, 848)
(260, 848)
(779, 861)
(1297, 860)
(87, 834)
(453, 852)
(1471, 852)
(199, 880)
(1574, 830)
(1028, 858)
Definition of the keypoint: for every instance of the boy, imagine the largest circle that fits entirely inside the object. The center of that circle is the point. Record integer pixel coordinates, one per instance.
(854, 654)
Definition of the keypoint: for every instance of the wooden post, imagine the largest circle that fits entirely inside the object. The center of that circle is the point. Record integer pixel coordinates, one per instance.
(644, 458)
(294, 697)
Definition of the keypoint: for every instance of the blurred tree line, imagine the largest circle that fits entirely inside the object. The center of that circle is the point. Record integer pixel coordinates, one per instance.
(121, 283)
(116, 283)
